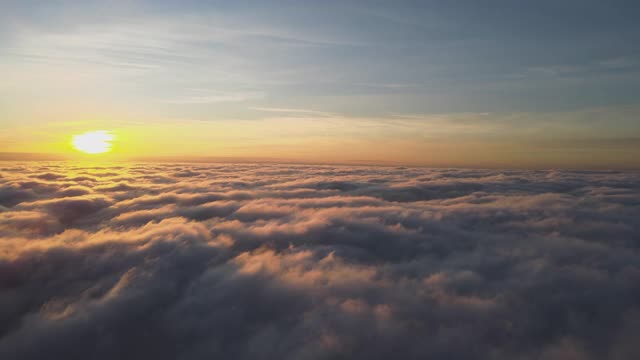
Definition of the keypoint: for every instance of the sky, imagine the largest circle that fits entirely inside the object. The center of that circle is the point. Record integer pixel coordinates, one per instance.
(432, 83)
(312, 180)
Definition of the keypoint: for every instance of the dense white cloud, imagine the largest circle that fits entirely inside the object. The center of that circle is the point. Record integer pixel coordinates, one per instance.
(314, 262)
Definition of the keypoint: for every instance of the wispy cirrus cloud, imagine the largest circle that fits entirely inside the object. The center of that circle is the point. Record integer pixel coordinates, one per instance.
(294, 111)
(217, 98)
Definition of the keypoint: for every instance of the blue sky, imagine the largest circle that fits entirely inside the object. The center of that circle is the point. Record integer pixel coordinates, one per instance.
(543, 64)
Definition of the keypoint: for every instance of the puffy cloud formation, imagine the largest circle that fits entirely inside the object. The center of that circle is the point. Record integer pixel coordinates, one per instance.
(240, 261)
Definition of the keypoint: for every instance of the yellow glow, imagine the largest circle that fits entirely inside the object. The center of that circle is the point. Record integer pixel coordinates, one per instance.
(93, 142)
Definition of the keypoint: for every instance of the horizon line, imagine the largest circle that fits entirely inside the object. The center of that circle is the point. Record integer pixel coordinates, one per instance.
(36, 157)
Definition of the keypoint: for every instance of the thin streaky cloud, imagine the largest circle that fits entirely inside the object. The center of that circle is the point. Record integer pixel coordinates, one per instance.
(217, 98)
(295, 111)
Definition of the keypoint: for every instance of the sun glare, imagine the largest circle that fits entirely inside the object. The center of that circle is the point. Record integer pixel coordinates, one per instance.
(93, 142)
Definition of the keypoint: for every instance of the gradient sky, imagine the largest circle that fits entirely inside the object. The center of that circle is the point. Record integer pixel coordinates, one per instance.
(441, 83)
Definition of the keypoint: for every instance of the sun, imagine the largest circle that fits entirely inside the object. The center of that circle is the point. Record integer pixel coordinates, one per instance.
(93, 142)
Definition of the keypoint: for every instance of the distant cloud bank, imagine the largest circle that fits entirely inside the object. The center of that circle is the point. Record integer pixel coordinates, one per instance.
(241, 261)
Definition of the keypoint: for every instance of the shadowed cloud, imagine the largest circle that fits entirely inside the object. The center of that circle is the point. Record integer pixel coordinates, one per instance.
(243, 261)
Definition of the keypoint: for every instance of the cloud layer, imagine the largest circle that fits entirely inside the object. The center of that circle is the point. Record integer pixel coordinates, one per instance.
(241, 261)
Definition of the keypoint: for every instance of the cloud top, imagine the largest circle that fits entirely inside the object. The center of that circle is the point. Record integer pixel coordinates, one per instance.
(243, 261)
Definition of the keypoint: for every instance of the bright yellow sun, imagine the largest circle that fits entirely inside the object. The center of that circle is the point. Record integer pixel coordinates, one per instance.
(93, 142)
